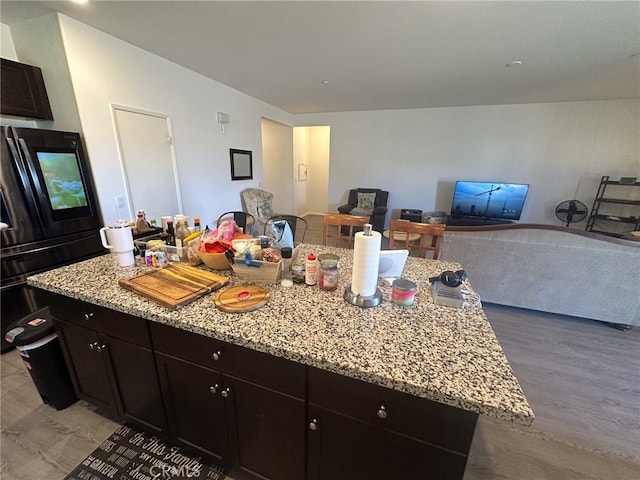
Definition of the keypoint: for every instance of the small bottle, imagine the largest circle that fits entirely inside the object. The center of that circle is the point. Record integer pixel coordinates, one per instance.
(311, 270)
(182, 232)
(171, 236)
(196, 224)
(286, 280)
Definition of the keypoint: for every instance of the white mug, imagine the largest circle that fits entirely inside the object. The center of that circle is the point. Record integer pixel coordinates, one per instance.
(119, 239)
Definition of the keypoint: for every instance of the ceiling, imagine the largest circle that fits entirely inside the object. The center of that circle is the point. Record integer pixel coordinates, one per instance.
(309, 56)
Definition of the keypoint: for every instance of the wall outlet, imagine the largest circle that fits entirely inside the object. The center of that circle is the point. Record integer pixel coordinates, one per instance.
(119, 201)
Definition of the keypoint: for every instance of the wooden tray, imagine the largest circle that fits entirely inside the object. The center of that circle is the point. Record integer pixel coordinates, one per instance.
(175, 285)
(241, 298)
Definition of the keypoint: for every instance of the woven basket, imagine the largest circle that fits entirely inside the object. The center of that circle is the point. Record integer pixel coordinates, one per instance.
(267, 272)
(215, 261)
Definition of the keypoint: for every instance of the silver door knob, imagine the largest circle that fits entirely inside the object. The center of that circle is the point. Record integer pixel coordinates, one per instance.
(313, 425)
(89, 316)
(214, 389)
(382, 412)
(216, 355)
(226, 392)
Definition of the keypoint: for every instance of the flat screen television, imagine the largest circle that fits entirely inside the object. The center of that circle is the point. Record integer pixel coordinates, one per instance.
(488, 200)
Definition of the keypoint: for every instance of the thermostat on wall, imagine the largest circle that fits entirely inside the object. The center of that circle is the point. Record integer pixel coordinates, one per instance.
(223, 117)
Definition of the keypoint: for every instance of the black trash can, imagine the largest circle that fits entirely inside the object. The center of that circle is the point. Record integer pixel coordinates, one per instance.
(35, 339)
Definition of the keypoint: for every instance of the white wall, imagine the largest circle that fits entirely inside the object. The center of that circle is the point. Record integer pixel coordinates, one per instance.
(277, 152)
(417, 155)
(106, 70)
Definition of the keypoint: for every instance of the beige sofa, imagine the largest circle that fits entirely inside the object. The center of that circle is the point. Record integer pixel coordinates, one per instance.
(552, 269)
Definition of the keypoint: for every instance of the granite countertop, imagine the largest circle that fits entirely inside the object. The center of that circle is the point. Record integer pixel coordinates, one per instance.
(440, 353)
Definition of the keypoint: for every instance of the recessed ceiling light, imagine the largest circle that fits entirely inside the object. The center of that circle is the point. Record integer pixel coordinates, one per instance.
(515, 63)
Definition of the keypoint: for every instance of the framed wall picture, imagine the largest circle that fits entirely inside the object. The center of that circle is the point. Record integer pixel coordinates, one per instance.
(302, 172)
(241, 164)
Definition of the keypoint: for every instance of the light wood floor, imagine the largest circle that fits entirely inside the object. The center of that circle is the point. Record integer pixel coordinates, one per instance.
(581, 377)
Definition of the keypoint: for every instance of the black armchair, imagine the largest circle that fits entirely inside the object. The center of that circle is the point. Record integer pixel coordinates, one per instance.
(377, 213)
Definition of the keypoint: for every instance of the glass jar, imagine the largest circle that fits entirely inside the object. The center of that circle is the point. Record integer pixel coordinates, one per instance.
(328, 274)
(403, 292)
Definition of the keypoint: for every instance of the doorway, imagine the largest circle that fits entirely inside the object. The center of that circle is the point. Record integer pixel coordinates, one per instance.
(148, 162)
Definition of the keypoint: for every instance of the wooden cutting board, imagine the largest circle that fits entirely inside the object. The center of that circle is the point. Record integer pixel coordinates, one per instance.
(175, 285)
(241, 298)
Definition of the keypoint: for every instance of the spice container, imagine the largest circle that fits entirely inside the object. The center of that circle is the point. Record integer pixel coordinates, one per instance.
(403, 292)
(286, 280)
(328, 274)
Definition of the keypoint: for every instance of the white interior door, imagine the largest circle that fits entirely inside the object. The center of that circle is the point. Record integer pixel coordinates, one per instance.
(148, 162)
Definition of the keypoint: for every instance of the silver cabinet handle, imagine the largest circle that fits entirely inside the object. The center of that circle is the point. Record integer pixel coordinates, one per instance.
(93, 345)
(89, 316)
(226, 392)
(214, 389)
(382, 412)
(313, 425)
(100, 347)
(216, 355)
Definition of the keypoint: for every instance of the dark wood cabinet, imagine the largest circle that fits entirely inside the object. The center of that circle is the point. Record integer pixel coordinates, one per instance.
(241, 406)
(195, 407)
(357, 430)
(110, 360)
(87, 366)
(266, 430)
(23, 91)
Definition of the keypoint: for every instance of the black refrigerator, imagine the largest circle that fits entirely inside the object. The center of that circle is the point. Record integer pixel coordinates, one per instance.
(49, 212)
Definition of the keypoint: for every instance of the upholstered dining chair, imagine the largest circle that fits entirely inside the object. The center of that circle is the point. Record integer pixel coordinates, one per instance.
(258, 203)
(298, 226)
(427, 235)
(243, 219)
(341, 227)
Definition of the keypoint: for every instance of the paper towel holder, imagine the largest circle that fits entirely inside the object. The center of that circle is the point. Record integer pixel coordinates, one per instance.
(361, 301)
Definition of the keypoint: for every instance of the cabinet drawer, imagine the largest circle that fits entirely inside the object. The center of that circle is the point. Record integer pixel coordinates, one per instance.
(432, 422)
(116, 324)
(261, 368)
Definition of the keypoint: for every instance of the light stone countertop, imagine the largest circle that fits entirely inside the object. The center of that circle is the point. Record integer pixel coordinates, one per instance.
(440, 353)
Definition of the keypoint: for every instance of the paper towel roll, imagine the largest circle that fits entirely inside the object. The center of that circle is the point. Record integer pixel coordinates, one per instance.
(366, 257)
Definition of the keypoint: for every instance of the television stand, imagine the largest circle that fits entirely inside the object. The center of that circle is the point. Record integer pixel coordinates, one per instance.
(476, 222)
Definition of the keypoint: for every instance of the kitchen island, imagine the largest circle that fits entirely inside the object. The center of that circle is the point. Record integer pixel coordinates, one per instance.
(324, 356)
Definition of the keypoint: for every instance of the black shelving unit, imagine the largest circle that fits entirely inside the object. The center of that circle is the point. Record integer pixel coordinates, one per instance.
(604, 216)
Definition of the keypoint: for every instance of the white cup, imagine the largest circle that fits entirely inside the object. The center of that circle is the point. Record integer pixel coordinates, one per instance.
(119, 239)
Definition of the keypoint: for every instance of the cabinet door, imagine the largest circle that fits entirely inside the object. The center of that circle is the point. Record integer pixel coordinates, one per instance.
(137, 382)
(266, 429)
(195, 407)
(341, 448)
(84, 354)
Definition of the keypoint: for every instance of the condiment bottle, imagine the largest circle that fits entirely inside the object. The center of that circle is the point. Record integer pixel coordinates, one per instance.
(182, 232)
(311, 270)
(141, 224)
(196, 224)
(286, 280)
(171, 236)
(328, 274)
